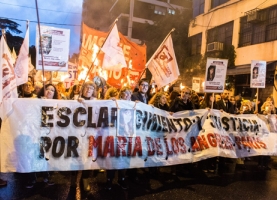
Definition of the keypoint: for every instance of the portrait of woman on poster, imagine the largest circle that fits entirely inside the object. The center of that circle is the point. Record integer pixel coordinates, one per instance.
(211, 73)
(255, 72)
(126, 125)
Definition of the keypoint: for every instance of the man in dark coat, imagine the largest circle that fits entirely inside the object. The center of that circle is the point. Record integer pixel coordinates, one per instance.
(141, 94)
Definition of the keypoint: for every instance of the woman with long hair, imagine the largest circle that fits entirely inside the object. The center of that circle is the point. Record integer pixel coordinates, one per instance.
(159, 100)
(50, 92)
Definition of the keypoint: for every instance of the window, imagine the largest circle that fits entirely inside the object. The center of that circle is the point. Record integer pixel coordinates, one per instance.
(171, 11)
(196, 42)
(160, 10)
(198, 7)
(264, 29)
(223, 33)
(216, 3)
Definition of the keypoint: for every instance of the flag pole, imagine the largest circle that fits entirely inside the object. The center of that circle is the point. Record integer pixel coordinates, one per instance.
(92, 64)
(40, 43)
(160, 45)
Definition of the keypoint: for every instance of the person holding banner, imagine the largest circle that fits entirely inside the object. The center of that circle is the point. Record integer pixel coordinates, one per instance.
(50, 92)
(159, 100)
(268, 107)
(141, 94)
(124, 94)
(208, 102)
(26, 90)
(182, 103)
(88, 93)
(74, 92)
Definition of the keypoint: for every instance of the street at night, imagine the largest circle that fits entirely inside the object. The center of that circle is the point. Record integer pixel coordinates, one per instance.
(248, 183)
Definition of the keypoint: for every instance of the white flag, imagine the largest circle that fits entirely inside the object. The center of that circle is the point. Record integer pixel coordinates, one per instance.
(114, 58)
(163, 65)
(8, 88)
(22, 62)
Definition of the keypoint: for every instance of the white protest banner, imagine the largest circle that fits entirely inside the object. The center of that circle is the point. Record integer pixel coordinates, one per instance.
(58, 135)
(196, 84)
(258, 74)
(215, 75)
(55, 48)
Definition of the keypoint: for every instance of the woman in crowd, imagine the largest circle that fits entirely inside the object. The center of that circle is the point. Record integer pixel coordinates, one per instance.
(124, 94)
(50, 92)
(38, 85)
(88, 93)
(246, 107)
(61, 89)
(268, 107)
(75, 91)
(159, 100)
(26, 90)
(111, 93)
(208, 101)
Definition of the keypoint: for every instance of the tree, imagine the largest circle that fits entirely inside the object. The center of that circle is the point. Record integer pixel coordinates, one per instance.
(11, 27)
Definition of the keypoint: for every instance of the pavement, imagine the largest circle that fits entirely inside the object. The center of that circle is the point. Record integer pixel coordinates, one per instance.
(190, 182)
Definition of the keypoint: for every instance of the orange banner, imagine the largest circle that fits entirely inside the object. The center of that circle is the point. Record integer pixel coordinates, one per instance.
(135, 56)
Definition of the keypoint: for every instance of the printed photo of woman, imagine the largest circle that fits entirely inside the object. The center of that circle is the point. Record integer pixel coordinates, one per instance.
(126, 125)
(211, 73)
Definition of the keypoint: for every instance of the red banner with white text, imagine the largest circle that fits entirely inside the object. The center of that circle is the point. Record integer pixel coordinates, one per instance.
(135, 56)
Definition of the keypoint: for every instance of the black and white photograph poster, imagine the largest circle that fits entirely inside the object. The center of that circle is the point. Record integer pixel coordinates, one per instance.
(258, 74)
(215, 75)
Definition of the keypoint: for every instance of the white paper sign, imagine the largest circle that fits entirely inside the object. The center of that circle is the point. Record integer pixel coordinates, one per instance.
(55, 48)
(258, 74)
(215, 75)
(196, 84)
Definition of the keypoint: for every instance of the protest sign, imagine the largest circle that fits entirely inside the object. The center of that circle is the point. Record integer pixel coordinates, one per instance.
(55, 48)
(258, 74)
(215, 75)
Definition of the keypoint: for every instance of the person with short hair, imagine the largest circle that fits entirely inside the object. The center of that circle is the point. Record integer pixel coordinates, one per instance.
(183, 102)
(141, 94)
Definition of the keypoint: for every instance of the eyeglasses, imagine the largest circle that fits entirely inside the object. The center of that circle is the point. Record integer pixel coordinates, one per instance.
(89, 88)
(144, 85)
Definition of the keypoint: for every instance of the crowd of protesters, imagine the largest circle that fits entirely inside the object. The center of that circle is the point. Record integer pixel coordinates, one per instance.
(171, 101)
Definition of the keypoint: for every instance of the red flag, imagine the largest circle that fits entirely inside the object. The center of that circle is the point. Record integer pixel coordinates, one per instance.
(22, 62)
(8, 89)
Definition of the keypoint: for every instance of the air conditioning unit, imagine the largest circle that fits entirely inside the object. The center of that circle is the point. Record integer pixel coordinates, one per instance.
(254, 16)
(215, 46)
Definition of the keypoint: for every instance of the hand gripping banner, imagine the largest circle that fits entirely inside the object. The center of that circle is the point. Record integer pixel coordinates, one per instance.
(58, 135)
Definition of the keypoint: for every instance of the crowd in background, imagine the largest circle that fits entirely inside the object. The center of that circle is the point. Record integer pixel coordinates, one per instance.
(171, 101)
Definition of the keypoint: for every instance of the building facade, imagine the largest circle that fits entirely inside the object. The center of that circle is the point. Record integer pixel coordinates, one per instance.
(134, 15)
(249, 26)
